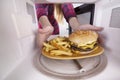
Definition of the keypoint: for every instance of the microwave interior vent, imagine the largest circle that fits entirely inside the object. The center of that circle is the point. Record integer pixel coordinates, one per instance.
(115, 18)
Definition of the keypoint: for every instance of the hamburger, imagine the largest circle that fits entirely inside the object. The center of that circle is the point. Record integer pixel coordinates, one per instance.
(83, 42)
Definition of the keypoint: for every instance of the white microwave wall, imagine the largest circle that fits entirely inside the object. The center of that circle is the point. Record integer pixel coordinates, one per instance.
(107, 15)
(17, 26)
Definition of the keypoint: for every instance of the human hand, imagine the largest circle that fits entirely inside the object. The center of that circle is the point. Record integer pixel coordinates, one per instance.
(101, 37)
(89, 27)
(43, 34)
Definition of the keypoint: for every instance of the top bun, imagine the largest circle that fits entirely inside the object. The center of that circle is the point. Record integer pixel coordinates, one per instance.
(83, 37)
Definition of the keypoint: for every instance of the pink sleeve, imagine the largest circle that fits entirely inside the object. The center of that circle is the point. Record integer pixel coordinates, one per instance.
(41, 9)
(68, 11)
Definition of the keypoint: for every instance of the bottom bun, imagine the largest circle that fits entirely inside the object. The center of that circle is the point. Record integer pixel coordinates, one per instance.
(85, 52)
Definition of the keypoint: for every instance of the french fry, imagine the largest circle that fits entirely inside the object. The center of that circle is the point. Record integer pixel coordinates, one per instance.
(60, 52)
(47, 49)
(62, 43)
(60, 38)
(49, 46)
(58, 46)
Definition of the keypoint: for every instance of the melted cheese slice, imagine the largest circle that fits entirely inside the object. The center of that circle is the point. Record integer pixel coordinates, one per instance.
(88, 46)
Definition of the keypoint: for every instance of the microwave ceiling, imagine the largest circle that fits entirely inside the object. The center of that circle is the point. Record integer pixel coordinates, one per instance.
(65, 1)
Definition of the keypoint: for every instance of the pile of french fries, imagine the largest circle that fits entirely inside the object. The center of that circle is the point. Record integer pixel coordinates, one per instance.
(58, 46)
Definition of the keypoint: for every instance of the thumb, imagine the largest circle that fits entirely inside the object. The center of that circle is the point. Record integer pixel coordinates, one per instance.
(45, 30)
(41, 31)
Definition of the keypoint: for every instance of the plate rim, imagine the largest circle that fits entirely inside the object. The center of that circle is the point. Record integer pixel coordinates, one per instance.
(74, 57)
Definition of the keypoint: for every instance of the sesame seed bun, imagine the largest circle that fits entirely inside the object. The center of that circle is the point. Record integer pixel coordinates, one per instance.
(83, 38)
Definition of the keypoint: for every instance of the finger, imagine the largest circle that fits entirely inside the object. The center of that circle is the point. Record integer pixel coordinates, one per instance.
(90, 27)
(41, 39)
(42, 31)
(98, 28)
(101, 38)
(94, 28)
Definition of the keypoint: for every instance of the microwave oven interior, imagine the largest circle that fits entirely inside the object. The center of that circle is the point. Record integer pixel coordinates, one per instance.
(74, 69)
